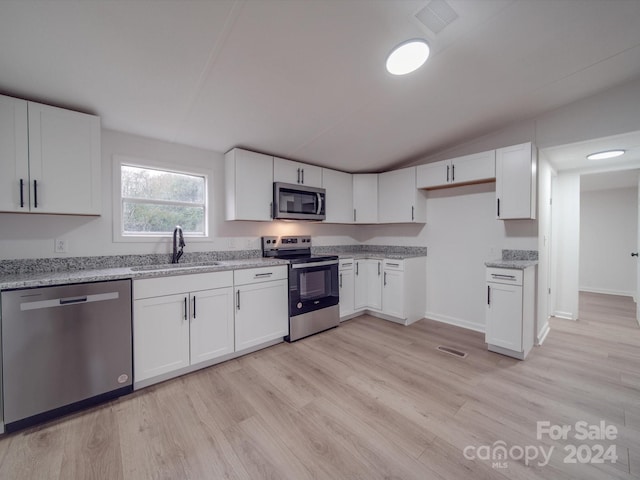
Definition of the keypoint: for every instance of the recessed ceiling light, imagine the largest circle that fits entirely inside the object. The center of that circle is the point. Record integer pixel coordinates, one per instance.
(605, 154)
(408, 57)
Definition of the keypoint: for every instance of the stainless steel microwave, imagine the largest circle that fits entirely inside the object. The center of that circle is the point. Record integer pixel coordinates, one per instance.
(298, 202)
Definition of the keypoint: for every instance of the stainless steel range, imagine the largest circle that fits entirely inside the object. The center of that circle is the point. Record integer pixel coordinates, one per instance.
(313, 285)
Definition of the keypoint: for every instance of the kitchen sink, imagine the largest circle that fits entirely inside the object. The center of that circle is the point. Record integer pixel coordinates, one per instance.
(175, 266)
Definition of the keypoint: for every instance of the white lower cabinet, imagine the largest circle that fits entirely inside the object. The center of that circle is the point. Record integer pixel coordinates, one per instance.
(368, 284)
(261, 306)
(390, 289)
(346, 279)
(179, 322)
(393, 288)
(510, 311)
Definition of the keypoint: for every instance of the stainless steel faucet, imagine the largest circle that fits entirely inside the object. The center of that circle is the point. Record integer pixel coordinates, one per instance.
(178, 241)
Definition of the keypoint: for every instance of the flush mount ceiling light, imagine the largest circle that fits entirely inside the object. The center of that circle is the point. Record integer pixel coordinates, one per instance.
(408, 57)
(605, 154)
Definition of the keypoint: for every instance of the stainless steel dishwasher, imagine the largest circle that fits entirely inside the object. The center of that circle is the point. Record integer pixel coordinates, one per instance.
(64, 348)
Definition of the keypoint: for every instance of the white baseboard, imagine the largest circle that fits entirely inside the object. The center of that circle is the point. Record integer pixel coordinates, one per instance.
(564, 315)
(604, 291)
(458, 322)
(542, 335)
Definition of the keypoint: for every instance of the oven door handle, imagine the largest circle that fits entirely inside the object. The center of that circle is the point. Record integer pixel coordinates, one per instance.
(314, 264)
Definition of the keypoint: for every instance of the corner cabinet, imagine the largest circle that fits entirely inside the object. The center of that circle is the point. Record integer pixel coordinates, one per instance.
(399, 201)
(288, 171)
(180, 321)
(50, 159)
(466, 170)
(248, 185)
(392, 289)
(339, 189)
(510, 311)
(365, 198)
(261, 298)
(516, 182)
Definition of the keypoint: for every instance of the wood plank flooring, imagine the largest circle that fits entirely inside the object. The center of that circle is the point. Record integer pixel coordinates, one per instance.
(368, 400)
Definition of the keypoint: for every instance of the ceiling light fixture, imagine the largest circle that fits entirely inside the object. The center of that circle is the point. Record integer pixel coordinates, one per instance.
(605, 154)
(408, 57)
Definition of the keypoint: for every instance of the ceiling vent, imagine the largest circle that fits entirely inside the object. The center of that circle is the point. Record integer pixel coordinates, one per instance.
(436, 15)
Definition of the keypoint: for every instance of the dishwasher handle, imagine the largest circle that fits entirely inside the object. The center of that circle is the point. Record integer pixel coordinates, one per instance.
(70, 300)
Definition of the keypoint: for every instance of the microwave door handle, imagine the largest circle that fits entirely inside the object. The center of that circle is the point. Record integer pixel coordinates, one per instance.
(319, 203)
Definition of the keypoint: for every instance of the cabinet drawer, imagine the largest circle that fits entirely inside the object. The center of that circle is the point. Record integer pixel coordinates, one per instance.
(262, 274)
(504, 275)
(346, 264)
(161, 286)
(393, 264)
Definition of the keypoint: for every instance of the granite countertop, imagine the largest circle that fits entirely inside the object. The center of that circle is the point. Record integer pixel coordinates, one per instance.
(42, 279)
(514, 264)
(378, 255)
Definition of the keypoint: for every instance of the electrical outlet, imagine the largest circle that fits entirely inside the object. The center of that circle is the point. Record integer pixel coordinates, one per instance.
(60, 245)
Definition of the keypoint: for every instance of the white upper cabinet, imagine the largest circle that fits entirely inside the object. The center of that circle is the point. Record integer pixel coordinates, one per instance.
(249, 185)
(50, 159)
(516, 182)
(365, 198)
(288, 171)
(475, 168)
(339, 188)
(399, 201)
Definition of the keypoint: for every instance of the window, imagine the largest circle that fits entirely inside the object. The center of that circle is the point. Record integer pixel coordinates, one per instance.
(154, 200)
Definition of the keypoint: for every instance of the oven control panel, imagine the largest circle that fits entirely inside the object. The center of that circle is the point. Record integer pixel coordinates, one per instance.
(272, 246)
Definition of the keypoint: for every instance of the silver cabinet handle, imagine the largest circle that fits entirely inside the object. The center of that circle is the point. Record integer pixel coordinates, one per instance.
(194, 307)
(498, 208)
(261, 275)
(357, 264)
(488, 294)
(302, 169)
(340, 280)
(186, 308)
(238, 300)
(271, 210)
(378, 268)
(447, 173)
(506, 277)
(385, 279)
(393, 264)
(354, 214)
(413, 213)
(453, 173)
(298, 175)
(35, 194)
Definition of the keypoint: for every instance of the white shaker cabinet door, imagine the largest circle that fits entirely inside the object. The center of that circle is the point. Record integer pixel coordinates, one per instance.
(504, 316)
(212, 326)
(14, 155)
(64, 161)
(339, 198)
(160, 335)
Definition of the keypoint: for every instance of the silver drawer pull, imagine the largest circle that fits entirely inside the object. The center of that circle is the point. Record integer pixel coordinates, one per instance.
(258, 275)
(393, 264)
(506, 277)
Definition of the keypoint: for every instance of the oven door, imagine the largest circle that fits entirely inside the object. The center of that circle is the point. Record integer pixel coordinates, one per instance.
(298, 202)
(313, 286)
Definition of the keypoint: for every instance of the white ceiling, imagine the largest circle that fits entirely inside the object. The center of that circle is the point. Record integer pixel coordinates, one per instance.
(305, 79)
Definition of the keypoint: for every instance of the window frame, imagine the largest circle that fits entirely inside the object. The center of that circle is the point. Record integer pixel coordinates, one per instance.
(118, 227)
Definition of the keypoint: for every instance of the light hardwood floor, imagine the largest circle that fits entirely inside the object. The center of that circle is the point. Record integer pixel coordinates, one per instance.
(370, 399)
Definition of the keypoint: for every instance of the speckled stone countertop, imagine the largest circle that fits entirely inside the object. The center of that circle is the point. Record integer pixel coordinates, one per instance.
(42, 279)
(372, 251)
(515, 259)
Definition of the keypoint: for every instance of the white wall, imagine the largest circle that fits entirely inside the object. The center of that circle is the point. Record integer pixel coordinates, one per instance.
(32, 236)
(566, 244)
(608, 235)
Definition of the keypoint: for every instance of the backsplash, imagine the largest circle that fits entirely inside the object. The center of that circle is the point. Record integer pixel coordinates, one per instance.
(384, 249)
(44, 265)
(519, 254)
